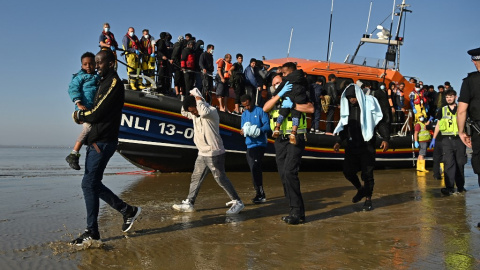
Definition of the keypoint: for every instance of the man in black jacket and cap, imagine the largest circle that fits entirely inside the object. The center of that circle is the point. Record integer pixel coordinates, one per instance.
(102, 142)
(332, 93)
(206, 68)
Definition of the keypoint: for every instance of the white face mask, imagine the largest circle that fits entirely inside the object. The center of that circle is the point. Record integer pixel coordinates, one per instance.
(131, 34)
(211, 52)
(107, 29)
(146, 36)
(421, 119)
(382, 87)
(276, 86)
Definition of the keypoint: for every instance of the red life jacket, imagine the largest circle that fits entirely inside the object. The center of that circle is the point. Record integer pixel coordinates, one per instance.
(110, 39)
(146, 44)
(190, 62)
(133, 41)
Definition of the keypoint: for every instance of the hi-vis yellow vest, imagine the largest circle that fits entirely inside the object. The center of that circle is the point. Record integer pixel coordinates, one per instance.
(424, 134)
(448, 123)
(286, 127)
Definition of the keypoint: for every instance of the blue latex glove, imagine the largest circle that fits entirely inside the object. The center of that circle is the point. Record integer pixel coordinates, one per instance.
(152, 55)
(287, 103)
(432, 144)
(414, 110)
(287, 87)
(426, 109)
(417, 144)
(430, 119)
(137, 52)
(113, 48)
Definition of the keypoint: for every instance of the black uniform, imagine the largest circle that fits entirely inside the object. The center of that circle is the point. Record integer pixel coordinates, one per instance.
(470, 94)
(332, 92)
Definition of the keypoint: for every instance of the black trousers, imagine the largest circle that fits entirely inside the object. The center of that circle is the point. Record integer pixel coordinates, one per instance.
(476, 155)
(360, 159)
(437, 159)
(254, 160)
(455, 158)
(330, 114)
(288, 157)
(189, 81)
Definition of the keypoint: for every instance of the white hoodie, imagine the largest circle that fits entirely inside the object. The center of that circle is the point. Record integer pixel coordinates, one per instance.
(206, 130)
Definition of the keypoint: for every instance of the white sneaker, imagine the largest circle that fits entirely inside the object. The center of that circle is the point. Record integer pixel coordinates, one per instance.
(237, 206)
(186, 206)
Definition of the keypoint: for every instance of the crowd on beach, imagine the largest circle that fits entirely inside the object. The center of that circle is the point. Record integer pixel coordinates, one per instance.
(284, 95)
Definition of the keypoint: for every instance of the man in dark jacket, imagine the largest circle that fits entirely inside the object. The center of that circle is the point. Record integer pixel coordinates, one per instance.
(187, 62)
(332, 93)
(179, 82)
(206, 67)
(198, 47)
(102, 142)
(163, 76)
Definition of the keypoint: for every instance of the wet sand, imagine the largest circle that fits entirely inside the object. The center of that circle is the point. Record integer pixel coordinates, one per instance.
(411, 227)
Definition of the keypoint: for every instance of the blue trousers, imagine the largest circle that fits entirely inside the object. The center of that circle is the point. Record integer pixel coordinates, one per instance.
(92, 186)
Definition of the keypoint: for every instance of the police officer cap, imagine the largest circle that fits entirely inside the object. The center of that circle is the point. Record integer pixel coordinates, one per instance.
(475, 53)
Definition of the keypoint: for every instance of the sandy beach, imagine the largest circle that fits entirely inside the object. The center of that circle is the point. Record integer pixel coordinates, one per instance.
(412, 226)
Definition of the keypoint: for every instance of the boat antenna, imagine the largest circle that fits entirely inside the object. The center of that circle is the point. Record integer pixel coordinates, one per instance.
(388, 45)
(330, 31)
(290, 42)
(368, 20)
(330, 56)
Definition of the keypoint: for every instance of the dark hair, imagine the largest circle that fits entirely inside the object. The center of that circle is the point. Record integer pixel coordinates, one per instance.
(145, 30)
(253, 60)
(210, 46)
(163, 35)
(402, 84)
(108, 55)
(450, 92)
(447, 83)
(239, 55)
(188, 35)
(290, 65)
(390, 85)
(87, 54)
(245, 98)
(169, 36)
(441, 86)
(189, 101)
(331, 77)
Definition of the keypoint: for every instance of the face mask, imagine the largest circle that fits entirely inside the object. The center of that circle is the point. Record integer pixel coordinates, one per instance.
(130, 34)
(201, 47)
(146, 36)
(382, 87)
(276, 86)
(421, 119)
(417, 89)
(107, 29)
(211, 52)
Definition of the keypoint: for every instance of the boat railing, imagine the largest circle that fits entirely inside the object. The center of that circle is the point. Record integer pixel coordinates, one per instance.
(368, 61)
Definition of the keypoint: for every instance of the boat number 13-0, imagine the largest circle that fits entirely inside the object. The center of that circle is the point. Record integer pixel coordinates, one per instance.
(170, 129)
(167, 129)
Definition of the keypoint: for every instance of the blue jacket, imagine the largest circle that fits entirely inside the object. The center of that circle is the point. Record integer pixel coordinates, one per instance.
(260, 118)
(83, 87)
(250, 76)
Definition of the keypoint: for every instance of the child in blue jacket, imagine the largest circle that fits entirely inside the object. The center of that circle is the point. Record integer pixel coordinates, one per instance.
(82, 90)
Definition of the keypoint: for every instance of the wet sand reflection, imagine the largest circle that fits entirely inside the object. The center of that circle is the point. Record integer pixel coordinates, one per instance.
(412, 226)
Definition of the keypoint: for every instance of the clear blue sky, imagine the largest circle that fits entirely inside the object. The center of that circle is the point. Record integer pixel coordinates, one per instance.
(42, 42)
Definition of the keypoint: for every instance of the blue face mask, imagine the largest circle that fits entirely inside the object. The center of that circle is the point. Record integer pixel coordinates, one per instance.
(201, 47)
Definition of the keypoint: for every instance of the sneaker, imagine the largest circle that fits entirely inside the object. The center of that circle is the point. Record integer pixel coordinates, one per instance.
(367, 206)
(129, 219)
(86, 236)
(260, 198)
(319, 132)
(237, 206)
(359, 196)
(312, 130)
(185, 206)
(462, 189)
(72, 160)
(446, 191)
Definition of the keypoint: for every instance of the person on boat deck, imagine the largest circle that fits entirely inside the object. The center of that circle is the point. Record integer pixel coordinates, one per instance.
(237, 80)
(252, 86)
(222, 81)
(418, 102)
(147, 48)
(107, 41)
(102, 141)
(163, 77)
(332, 94)
(206, 68)
(255, 126)
(288, 156)
(382, 97)
(454, 151)
(317, 94)
(298, 95)
(211, 153)
(179, 81)
(360, 138)
(187, 62)
(469, 102)
(422, 137)
(82, 90)
(131, 45)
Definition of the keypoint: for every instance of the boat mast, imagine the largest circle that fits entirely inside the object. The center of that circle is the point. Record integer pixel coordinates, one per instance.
(290, 42)
(330, 30)
(402, 11)
(389, 47)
